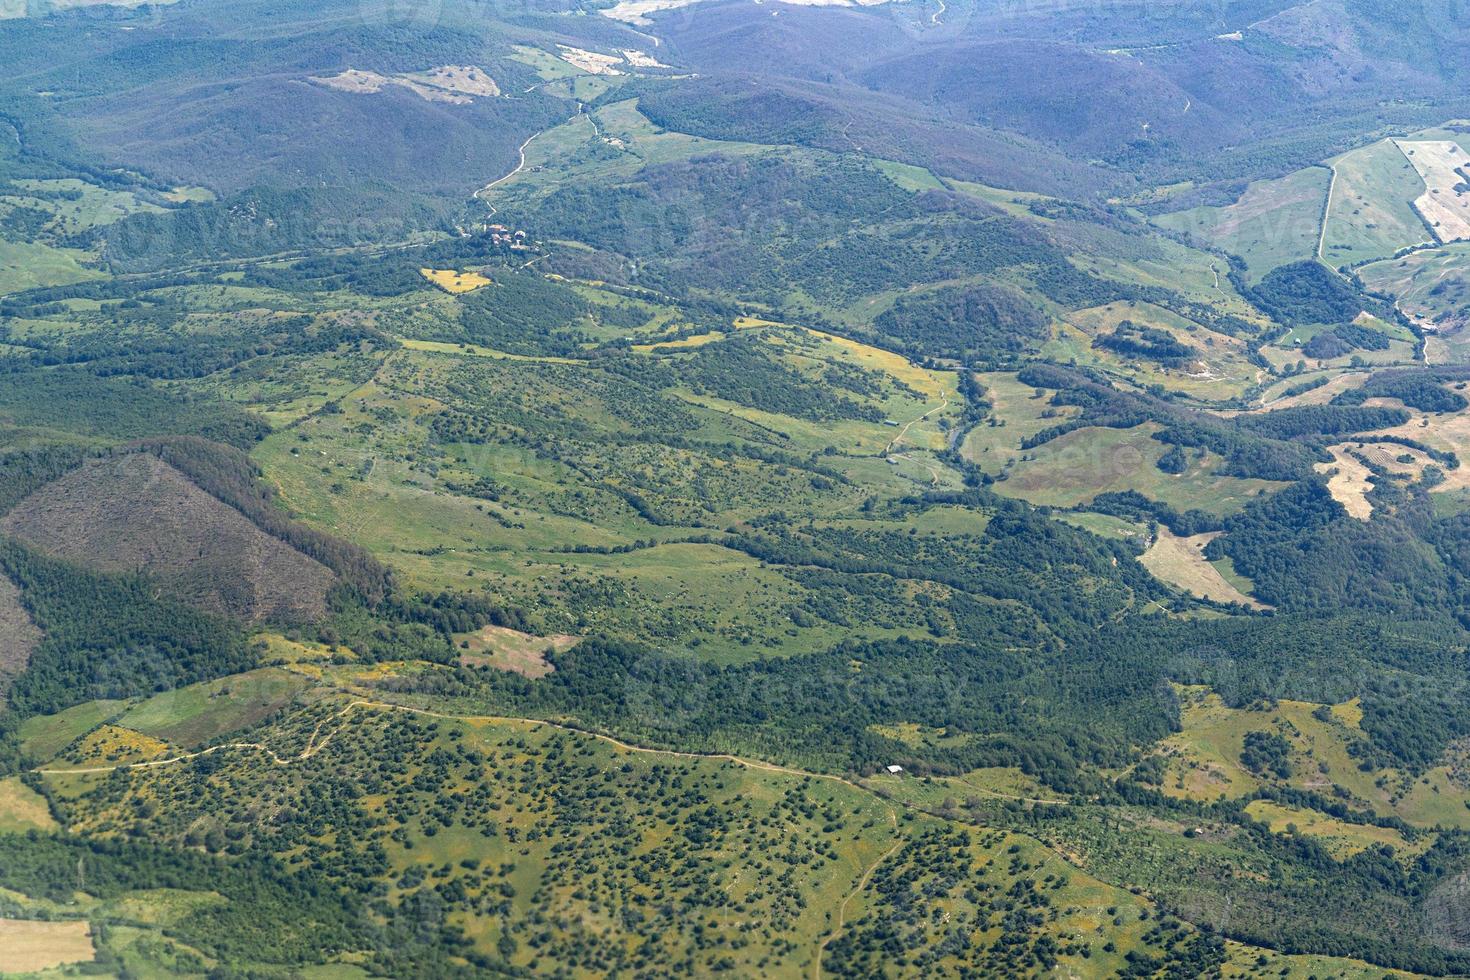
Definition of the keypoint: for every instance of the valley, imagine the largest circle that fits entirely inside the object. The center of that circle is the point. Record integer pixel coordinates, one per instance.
(775, 490)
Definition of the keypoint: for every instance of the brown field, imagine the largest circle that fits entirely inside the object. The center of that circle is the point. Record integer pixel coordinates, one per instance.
(1440, 163)
(454, 84)
(1349, 483)
(1181, 562)
(512, 650)
(18, 635)
(27, 946)
(455, 282)
(136, 512)
(592, 62)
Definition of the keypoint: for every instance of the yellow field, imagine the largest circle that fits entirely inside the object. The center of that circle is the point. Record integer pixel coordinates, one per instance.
(27, 947)
(111, 743)
(455, 282)
(1203, 760)
(1341, 839)
(22, 808)
(1181, 562)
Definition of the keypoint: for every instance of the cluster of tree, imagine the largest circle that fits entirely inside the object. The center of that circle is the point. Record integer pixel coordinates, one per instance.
(1309, 292)
(979, 324)
(1265, 752)
(76, 400)
(1132, 505)
(1303, 553)
(1422, 390)
(1344, 339)
(267, 221)
(1321, 420)
(1150, 343)
(742, 369)
(135, 346)
(1247, 452)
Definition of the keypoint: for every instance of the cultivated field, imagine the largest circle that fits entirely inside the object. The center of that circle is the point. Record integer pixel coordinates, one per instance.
(1445, 203)
(29, 947)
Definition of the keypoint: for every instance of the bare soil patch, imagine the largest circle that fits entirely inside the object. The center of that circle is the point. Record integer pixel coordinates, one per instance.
(512, 650)
(137, 513)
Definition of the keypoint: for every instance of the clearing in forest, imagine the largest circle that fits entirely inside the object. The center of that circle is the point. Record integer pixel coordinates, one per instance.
(1349, 483)
(507, 649)
(454, 84)
(1180, 561)
(455, 282)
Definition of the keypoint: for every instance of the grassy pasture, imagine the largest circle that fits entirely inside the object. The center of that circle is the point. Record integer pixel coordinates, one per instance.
(1342, 839)
(1286, 351)
(1371, 215)
(1433, 288)
(1195, 274)
(614, 140)
(96, 207)
(1220, 372)
(43, 737)
(1274, 223)
(1073, 469)
(1181, 562)
(1203, 761)
(23, 809)
(1017, 412)
(26, 265)
(30, 947)
(200, 713)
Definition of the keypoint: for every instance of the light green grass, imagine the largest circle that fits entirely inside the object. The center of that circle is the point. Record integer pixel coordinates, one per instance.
(1274, 223)
(1073, 469)
(27, 266)
(44, 736)
(199, 713)
(1371, 214)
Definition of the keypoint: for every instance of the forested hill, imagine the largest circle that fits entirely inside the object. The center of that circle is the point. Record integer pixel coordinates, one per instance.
(720, 488)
